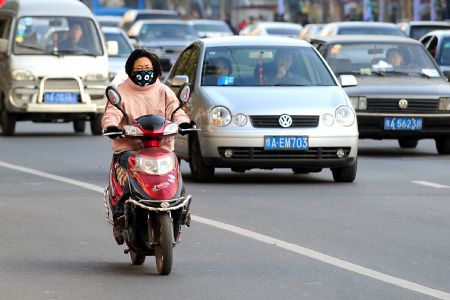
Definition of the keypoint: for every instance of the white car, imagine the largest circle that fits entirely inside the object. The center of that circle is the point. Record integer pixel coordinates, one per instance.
(211, 28)
(119, 48)
(285, 29)
(250, 120)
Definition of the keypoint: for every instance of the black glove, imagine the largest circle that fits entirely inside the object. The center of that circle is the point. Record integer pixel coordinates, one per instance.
(184, 125)
(113, 129)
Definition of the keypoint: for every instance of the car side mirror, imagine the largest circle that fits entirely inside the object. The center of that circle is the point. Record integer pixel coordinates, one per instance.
(112, 47)
(348, 80)
(3, 45)
(179, 80)
(184, 93)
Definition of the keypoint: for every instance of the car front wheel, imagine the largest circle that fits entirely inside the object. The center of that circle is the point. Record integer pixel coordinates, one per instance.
(345, 174)
(199, 171)
(443, 145)
(408, 143)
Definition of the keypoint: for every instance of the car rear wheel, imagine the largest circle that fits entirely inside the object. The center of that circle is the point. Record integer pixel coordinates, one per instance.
(408, 143)
(345, 174)
(199, 171)
(443, 145)
(79, 126)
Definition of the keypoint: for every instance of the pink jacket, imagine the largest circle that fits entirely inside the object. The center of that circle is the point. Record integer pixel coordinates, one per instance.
(157, 99)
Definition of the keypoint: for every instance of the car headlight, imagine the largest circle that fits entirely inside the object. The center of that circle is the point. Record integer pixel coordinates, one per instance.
(444, 103)
(220, 116)
(22, 75)
(358, 103)
(155, 166)
(96, 77)
(344, 116)
(240, 119)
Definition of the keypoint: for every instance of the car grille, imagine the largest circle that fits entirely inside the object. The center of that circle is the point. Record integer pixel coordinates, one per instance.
(272, 121)
(392, 105)
(61, 84)
(260, 153)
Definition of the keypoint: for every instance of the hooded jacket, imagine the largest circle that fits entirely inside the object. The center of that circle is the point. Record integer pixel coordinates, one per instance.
(137, 101)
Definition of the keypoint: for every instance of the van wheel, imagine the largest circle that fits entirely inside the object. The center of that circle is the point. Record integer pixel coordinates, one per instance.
(79, 126)
(8, 123)
(96, 124)
(199, 171)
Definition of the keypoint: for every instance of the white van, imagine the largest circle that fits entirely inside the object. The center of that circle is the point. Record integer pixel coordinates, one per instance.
(53, 64)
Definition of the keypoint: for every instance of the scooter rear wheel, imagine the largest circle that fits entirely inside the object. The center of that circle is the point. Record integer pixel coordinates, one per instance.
(165, 242)
(136, 258)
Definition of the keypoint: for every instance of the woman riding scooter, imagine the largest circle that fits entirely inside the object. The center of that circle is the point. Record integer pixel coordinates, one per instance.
(142, 94)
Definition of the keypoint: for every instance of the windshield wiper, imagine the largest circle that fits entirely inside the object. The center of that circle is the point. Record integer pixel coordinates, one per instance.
(59, 52)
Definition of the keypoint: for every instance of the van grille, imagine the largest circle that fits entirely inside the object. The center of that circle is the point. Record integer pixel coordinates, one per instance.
(61, 85)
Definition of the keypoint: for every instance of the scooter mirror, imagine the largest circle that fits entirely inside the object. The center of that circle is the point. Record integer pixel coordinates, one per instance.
(113, 95)
(184, 93)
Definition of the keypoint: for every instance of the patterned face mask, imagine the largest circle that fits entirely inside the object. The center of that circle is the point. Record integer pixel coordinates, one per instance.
(143, 78)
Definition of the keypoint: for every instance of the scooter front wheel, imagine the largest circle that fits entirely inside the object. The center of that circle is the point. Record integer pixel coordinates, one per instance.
(165, 242)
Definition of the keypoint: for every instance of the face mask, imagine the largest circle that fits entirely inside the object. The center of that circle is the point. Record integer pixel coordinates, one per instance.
(143, 78)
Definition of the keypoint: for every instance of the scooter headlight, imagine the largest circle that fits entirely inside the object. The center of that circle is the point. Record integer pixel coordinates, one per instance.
(155, 166)
(131, 130)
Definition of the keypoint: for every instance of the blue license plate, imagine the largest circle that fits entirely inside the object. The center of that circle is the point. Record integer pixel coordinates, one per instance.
(394, 123)
(65, 98)
(286, 143)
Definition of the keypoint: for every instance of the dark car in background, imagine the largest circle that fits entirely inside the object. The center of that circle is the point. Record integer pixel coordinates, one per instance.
(165, 38)
(407, 102)
(438, 44)
(416, 29)
(134, 15)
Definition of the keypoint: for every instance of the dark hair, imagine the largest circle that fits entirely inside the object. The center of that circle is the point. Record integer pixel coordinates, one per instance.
(225, 61)
(138, 53)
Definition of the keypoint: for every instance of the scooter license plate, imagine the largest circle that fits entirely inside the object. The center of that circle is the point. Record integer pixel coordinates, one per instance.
(286, 143)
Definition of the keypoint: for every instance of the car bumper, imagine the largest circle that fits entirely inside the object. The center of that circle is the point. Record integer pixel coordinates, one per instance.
(372, 126)
(248, 152)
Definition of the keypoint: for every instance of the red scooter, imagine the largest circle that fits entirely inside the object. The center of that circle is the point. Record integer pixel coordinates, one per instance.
(157, 206)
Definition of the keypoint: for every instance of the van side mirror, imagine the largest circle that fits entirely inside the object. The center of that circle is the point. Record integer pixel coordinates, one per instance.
(179, 80)
(112, 47)
(348, 80)
(3, 45)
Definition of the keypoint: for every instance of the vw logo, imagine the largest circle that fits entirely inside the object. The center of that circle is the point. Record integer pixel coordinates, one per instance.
(285, 121)
(403, 103)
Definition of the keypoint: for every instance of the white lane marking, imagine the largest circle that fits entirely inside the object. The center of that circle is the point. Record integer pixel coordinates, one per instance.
(431, 184)
(412, 286)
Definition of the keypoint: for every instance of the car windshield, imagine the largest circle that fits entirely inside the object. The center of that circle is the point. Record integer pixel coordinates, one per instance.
(371, 30)
(416, 32)
(444, 55)
(57, 36)
(124, 48)
(212, 28)
(386, 59)
(264, 66)
(152, 32)
(283, 31)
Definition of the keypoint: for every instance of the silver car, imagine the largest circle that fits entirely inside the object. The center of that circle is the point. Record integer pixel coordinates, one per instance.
(250, 119)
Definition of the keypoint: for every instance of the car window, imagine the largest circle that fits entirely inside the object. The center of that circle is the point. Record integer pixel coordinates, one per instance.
(418, 31)
(212, 28)
(283, 31)
(152, 32)
(260, 66)
(372, 59)
(444, 55)
(371, 30)
(182, 63)
(123, 45)
(52, 35)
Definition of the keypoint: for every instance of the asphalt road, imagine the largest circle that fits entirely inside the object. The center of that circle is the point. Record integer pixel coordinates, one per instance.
(258, 235)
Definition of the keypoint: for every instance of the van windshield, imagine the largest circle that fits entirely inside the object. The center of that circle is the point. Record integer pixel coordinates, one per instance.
(57, 36)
